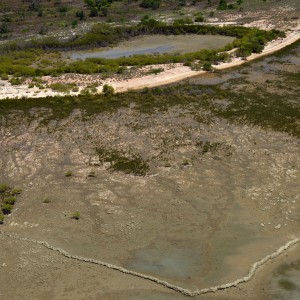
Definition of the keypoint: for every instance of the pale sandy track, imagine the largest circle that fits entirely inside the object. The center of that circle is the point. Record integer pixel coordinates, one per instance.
(170, 75)
(252, 270)
(181, 72)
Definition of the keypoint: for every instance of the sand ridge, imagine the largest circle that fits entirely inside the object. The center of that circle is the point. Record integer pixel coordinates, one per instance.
(172, 73)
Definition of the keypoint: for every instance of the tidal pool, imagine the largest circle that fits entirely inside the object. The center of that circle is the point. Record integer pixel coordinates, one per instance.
(285, 281)
(158, 44)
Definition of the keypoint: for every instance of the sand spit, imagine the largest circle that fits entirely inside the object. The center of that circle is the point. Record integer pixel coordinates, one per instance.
(171, 74)
(252, 271)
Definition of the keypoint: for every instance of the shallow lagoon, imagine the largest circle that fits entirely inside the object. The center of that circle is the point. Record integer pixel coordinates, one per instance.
(158, 44)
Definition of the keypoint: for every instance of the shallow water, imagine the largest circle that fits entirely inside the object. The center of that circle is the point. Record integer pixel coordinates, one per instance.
(170, 261)
(286, 281)
(198, 262)
(159, 44)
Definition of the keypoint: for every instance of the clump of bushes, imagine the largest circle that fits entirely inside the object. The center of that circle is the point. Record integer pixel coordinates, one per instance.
(89, 89)
(108, 90)
(6, 208)
(68, 174)
(126, 163)
(182, 21)
(199, 18)
(4, 77)
(8, 197)
(62, 87)
(155, 71)
(10, 200)
(3, 188)
(153, 4)
(46, 200)
(16, 80)
(75, 215)
(16, 191)
(207, 66)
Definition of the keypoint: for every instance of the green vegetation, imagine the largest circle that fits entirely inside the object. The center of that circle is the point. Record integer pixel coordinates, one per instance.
(10, 200)
(8, 197)
(90, 89)
(62, 87)
(32, 17)
(128, 164)
(16, 191)
(150, 22)
(16, 80)
(153, 4)
(6, 208)
(69, 174)
(223, 5)
(244, 106)
(98, 7)
(287, 284)
(252, 105)
(108, 90)
(26, 58)
(155, 71)
(183, 21)
(4, 77)
(3, 188)
(214, 148)
(47, 200)
(199, 17)
(75, 215)
(207, 66)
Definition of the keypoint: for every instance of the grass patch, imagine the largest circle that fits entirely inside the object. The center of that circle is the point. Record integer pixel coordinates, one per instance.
(155, 71)
(62, 87)
(8, 197)
(68, 174)
(128, 164)
(287, 285)
(47, 200)
(75, 215)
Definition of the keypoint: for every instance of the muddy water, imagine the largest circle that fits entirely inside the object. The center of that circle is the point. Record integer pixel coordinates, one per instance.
(159, 44)
(284, 282)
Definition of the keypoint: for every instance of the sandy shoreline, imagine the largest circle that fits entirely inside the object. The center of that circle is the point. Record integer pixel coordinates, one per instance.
(171, 74)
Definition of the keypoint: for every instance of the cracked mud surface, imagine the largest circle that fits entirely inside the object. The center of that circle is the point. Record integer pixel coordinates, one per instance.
(217, 196)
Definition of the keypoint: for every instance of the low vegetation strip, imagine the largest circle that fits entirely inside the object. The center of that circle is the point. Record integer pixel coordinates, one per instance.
(27, 58)
(252, 271)
(8, 197)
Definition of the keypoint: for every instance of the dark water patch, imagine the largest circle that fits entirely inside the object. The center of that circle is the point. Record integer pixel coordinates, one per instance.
(287, 284)
(168, 261)
(116, 53)
(286, 281)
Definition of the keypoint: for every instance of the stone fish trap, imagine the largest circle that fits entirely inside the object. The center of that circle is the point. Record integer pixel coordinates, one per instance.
(253, 268)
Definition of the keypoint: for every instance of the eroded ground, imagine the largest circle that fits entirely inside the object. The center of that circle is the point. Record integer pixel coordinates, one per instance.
(219, 189)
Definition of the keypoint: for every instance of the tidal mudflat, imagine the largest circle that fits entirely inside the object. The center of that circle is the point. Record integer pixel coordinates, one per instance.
(192, 187)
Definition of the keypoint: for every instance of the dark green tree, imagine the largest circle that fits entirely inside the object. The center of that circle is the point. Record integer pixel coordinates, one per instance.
(222, 5)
